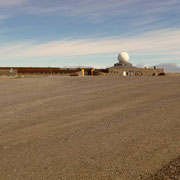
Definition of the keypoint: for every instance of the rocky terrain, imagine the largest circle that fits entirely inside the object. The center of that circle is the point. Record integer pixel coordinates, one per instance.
(97, 128)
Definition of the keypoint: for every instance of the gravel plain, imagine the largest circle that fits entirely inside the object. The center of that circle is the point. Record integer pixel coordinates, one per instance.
(90, 128)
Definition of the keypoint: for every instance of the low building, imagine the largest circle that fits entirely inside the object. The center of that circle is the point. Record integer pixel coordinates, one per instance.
(8, 72)
(133, 71)
(124, 68)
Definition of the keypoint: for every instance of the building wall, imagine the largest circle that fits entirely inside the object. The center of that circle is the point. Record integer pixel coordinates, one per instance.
(135, 71)
(26, 71)
(7, 73)
(41, 71)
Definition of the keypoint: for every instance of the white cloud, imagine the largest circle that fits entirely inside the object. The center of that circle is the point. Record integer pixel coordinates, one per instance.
(101, 9)
(143, 21)
(97, 11)
(162, 45)
(5, 3)
(2, 17)
(93, 10)
(170, 67)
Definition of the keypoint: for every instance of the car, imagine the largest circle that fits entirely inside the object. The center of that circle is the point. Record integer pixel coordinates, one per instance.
(74, 74)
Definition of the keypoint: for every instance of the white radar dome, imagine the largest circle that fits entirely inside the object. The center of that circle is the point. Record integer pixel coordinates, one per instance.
(123, 56)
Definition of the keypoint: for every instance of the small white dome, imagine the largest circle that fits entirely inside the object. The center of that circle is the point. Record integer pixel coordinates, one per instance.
(123, 56)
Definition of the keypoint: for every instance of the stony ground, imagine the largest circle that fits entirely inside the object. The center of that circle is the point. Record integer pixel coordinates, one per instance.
(97, 128)
(170, 171)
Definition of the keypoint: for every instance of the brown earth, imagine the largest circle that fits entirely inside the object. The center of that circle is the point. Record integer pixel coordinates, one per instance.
(172, 74)
(168, 172)
(81, 128)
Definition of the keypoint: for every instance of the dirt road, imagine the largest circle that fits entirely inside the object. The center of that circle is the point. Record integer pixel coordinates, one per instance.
(91, 128)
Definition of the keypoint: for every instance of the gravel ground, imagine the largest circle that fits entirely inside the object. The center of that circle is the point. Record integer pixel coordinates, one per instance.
(97, 128)
(168, 172)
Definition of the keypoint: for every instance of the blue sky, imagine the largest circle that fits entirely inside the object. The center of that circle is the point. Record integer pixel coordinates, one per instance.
(88, 32)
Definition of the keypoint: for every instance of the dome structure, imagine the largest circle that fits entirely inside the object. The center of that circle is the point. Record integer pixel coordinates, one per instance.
(123, 57)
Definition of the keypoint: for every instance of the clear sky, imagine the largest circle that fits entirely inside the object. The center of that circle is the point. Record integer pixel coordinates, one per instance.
(88, 32)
